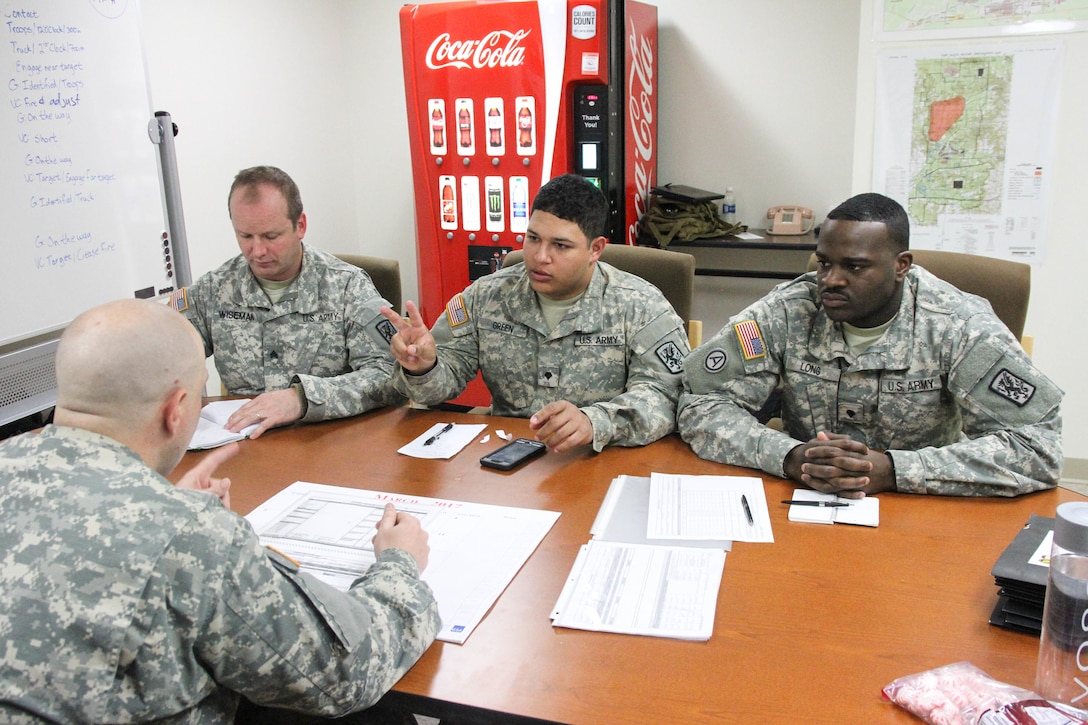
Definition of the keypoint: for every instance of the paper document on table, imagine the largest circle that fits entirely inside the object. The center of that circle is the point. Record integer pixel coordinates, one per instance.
(858, 511)
(476, 549)
(658, 591)
(708, 507)
(446, 440)
(626, 509)
(210, 432)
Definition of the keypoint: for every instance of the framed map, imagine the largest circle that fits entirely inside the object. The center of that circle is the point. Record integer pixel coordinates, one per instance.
(964, 140)
(926, 19)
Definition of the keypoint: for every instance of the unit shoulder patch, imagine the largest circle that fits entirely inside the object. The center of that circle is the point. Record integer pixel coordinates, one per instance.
(1012, 387)
(669, 353)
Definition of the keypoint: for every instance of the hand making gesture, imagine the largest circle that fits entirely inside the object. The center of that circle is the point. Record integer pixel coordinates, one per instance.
(412, 346)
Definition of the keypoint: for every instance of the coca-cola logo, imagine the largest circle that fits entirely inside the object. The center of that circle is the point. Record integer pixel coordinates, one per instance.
(640, 117)
(497, 49)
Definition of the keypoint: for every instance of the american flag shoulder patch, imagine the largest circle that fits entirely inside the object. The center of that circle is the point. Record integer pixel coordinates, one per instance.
(750, 339)
(456, 312)
(179, 300)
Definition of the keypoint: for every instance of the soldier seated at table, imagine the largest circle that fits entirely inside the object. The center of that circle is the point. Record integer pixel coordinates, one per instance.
(890, 378)
(289, 323)
(590, 354)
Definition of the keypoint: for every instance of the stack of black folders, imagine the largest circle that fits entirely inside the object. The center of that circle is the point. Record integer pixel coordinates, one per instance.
(1021, 573)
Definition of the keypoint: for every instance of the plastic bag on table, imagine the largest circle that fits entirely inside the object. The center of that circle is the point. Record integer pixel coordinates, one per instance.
(962, 694)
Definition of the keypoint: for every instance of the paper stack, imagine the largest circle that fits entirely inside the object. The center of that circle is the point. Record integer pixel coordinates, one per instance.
(655, 562)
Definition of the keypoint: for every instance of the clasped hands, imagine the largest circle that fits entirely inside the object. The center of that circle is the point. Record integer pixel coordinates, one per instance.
(560, 425)
(835, 463)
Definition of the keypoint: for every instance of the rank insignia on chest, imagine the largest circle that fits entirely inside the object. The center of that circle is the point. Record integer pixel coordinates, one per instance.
(456, 312)
(750, 339)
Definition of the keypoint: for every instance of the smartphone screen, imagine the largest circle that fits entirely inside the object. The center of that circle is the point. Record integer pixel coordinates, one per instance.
(513, 453)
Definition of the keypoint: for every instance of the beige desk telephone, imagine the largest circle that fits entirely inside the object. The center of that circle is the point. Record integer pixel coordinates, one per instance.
(787, 220)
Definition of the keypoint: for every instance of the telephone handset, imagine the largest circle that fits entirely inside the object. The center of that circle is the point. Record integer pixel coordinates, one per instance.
(787, 220)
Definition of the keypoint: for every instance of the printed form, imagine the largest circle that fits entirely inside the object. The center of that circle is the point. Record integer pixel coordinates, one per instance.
(659, 591)
(476, 549)
(708, 507)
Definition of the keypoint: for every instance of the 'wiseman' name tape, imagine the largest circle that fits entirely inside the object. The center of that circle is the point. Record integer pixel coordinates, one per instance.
(750, 339)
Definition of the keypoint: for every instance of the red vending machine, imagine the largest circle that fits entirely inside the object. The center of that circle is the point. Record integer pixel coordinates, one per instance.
(502, 95)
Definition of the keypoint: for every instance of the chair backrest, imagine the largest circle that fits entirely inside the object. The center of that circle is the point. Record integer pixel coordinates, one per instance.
(671, 272)
(1007, 285)
(385, 273)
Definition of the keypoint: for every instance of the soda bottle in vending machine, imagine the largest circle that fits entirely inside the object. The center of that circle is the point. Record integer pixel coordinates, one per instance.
(449, 203)
(496, 139)
(526, 130)
(466, 144)
(438, 126)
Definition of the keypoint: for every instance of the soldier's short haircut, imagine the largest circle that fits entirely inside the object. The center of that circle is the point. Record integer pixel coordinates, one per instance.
(872, 207)
(257, 175)
(574, 199)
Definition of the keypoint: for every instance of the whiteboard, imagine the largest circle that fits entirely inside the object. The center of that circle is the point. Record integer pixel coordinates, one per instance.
(84, 219)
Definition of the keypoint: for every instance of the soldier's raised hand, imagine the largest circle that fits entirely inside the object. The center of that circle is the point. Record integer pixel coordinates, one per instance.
(412, 346)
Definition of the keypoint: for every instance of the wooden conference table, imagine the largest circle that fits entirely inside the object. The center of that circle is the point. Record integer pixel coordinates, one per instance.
(808, 629)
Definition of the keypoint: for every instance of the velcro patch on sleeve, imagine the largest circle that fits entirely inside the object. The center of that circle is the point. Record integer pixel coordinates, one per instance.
(456, 312)
(750, 339)
(1012, 387)
(179, 300)
(670, 354)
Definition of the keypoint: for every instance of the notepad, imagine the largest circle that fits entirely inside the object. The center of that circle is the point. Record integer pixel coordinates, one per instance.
(860, 511)
(210, 431)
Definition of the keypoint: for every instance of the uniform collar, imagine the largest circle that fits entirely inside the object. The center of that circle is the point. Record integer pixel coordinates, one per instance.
(586, 316)
(302, 296)
(82, 436)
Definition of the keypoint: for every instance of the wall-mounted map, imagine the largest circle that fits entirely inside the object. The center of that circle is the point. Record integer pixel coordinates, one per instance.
(964, 140)
(924, 19)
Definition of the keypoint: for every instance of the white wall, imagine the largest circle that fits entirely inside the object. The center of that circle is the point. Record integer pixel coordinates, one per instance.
(773, 97)
(314, 88)
(759, 95)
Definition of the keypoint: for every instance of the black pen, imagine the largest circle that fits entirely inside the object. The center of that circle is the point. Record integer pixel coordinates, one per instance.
(747, 511)
(821, 504)
(445, 429)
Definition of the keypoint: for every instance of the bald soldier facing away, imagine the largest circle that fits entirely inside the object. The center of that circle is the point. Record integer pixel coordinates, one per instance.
(127, 599)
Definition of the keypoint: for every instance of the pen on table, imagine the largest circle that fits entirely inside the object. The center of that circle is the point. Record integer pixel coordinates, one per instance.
(821, 504)
(747, 511)
(445, 429)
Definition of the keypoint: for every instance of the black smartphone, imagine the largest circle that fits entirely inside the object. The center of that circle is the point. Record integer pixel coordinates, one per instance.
(513, 454)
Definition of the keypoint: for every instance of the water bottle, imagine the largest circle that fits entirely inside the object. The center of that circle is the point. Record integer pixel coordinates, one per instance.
(1063, 649)
(729, 206)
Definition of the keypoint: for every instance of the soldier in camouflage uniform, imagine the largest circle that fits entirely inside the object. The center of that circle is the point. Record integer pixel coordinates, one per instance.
(290, 324)
(591, 354)
(890, 379)
(127, 599)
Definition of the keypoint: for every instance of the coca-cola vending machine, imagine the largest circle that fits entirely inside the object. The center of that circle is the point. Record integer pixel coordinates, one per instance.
(502, 95)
